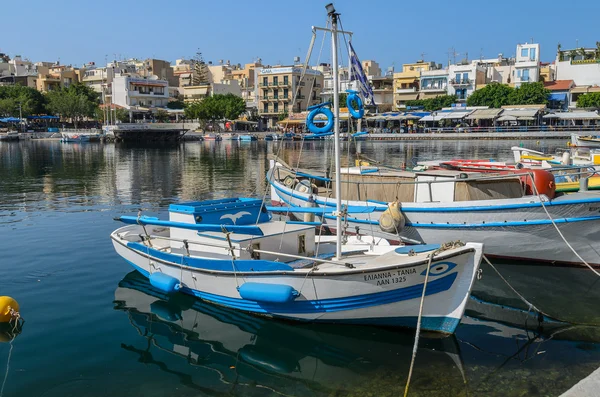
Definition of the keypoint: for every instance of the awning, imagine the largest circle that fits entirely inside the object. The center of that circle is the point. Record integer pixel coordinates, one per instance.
(558, 97)
(454, 115)
(430, 95)
(42, 117)
(520, 113)
(484, 114)
(507, 117)
(574, 116)
(294, 121)
(10, 120)
(406, 97)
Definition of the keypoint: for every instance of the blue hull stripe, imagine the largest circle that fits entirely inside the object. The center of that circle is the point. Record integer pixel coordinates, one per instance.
(441, 324)
(331, 305)
(535, 222)
(456, 209)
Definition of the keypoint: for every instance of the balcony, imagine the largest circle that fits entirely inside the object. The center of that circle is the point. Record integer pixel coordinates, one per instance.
(263, 84)
(461, 82)
(406, 90)
(524, 78)
(434, 88)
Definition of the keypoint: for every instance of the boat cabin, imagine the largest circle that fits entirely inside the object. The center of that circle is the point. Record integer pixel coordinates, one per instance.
(292, 239)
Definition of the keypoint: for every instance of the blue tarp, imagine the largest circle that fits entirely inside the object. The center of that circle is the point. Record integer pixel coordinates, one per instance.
(10, 120)
(557, 97)
(42, 117)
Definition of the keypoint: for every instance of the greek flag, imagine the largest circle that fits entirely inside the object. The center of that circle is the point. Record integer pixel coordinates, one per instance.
(358, 74)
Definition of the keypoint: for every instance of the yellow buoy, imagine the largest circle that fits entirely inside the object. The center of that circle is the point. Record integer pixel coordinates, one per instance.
(7, 306)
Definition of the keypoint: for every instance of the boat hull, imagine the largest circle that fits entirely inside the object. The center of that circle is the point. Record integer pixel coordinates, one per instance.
(383, 296)
(517, 229)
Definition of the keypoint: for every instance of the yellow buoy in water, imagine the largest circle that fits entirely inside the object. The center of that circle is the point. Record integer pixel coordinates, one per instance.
(7, 307)
(392, 220)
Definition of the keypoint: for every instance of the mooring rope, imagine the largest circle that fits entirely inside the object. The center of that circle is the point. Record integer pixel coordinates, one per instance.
(557, 229)
(418, 332)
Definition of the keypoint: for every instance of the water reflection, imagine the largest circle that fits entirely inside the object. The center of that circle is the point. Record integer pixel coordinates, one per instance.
(239, 351)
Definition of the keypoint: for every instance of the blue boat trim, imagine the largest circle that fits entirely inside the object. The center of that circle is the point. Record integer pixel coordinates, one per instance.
(241, 265)
(536, 222)
(299, 306)
(454, 209)
(417, 248)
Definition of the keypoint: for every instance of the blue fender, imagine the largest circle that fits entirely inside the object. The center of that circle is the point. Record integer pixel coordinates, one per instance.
(354, 97)
(164, 282)
(319, 109)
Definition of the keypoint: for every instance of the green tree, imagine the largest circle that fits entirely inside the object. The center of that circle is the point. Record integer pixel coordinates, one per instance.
(282, 116)
(494, 95)
(589, 100)
(75, 102)
(432, 104)
(234, 106)
(161, 116)
(122, 115)
(529, 94)
(178, 104)
(572, 55)
(31, 101)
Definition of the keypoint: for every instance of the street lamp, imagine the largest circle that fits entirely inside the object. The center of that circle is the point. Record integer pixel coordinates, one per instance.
(330, 8)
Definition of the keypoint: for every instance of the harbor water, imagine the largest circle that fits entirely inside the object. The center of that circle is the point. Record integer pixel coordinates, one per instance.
(95, 328)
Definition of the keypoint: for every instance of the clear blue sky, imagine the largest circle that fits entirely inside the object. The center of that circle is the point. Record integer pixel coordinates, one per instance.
(390, 32)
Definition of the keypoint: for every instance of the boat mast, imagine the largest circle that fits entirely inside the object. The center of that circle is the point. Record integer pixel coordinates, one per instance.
(336, 128)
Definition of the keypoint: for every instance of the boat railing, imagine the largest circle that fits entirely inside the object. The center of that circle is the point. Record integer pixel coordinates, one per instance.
(240, 249)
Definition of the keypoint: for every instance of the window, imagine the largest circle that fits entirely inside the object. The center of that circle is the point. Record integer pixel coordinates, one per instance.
(275, 80)
(275, 107)
(532, 54)
(285, 92)
(275, 92)
(265, 81)
(266, 108)
(525, 76)
(524, 52)
(465, 77)
(265, 93)
(285, 80)
(457, 77)
(285, 107)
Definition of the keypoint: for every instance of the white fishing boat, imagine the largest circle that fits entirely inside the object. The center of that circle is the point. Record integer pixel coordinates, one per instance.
(76, 135)
(230, 252)
(585, 141)
(512, 220)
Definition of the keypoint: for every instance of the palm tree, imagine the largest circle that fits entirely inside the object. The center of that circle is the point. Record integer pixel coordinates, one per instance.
(582, 52)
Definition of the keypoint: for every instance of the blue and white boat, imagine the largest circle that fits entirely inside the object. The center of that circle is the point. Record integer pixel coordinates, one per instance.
(232, 253)
(229, 252)
(442, 205)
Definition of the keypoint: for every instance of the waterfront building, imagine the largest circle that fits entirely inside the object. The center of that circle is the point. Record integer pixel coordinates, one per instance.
(194, 93)
(406, 83)
(498, 70)
(434, 82)
(383, 92)
(279, 86)
(560, 93)
(582, 65)
(95, 77)
(547, 72)
(465, 78)
(55, 77)
(576, 92)
(139, 93)
(343, 80)
(246, 79)
(371, 69)
(527, 64)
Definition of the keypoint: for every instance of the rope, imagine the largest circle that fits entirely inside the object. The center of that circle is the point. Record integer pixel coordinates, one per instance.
(418, 332)
(7, 368)
(558, 230)
(529, 304)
